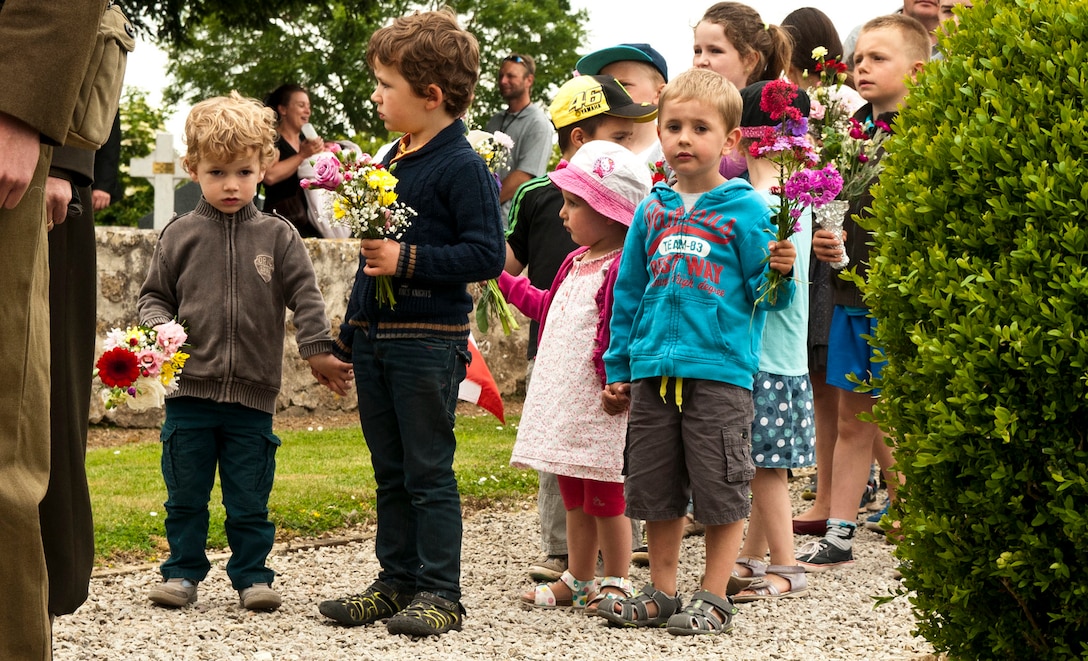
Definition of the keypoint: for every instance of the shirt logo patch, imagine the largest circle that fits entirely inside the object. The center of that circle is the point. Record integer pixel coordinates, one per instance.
(264, 267)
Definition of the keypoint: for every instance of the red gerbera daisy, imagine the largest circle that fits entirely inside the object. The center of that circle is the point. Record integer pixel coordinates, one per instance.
(118, 368)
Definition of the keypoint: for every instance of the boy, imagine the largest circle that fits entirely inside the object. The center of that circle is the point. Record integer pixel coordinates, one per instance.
(537, 239)
(411, 358)
(643, 73)
(891, 50)
(684, 349)
(227, 271)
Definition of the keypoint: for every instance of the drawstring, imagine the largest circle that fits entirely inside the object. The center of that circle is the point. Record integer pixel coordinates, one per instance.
(678, 391)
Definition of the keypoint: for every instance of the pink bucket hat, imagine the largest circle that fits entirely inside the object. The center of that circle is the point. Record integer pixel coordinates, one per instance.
(610, 178)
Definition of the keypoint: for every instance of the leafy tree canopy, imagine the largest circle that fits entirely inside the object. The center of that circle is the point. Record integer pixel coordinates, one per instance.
(322, 46)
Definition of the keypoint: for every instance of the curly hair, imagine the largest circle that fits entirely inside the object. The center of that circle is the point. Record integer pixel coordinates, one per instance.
(745, 29)
(430, 48)
(226, 128)
(705, 86)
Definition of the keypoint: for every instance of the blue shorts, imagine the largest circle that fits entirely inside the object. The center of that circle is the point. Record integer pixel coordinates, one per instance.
(849, 352)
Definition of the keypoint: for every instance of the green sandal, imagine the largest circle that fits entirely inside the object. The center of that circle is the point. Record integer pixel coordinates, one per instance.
(633, 611)
(698, 616)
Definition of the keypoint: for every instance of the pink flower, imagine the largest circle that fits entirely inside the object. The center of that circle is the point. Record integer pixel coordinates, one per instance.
(170, 336)
(150, 362)
(327, 173)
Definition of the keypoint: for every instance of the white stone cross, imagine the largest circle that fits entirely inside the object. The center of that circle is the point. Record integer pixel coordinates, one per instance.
(163, 169)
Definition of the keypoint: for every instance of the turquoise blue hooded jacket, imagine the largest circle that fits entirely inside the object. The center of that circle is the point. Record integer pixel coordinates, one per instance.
(685, 297)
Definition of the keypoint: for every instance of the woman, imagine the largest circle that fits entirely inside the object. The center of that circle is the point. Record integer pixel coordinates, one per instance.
(282, 193)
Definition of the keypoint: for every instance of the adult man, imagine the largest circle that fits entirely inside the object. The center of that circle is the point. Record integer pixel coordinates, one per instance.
(39, 41)
(523, 121)
(927, 12)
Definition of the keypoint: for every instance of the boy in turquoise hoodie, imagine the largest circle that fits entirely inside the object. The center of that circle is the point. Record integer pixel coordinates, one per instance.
(685, 341)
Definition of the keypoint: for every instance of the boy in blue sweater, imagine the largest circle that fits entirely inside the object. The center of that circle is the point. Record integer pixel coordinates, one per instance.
(686, 332)
(409, 359)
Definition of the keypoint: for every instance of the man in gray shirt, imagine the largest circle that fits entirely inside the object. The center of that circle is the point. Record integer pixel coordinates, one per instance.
(526, 123)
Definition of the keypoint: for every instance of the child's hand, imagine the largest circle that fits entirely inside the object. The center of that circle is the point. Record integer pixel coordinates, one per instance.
(783, 254)
(381, 256)
(331, 372)
(827, 246)
(616, 398)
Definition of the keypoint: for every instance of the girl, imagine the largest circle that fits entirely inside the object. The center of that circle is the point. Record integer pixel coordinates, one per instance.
(564, 427)
(733, 41)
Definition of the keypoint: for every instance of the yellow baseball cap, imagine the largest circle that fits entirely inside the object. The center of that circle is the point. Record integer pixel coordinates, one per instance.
(582, 97)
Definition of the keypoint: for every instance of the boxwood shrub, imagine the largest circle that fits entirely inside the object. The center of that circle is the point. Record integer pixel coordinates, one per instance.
(980, 282)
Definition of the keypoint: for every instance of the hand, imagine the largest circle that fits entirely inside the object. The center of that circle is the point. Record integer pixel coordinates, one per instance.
(381, 256)
(783, 255)
(100, 199)
(308, 148)
(616, 398)
(331, 372)
(827, 246)
(58, 193)
(21, 146)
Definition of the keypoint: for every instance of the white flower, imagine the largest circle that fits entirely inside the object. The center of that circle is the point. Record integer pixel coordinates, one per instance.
(150, 394)
(819, 52)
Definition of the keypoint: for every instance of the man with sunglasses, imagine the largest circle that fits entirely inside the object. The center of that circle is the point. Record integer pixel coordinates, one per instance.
(526, 123)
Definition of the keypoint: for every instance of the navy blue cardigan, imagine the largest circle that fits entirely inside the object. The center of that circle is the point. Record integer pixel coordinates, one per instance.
(456, 238)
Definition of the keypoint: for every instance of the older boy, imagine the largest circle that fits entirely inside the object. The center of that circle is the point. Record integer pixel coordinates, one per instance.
(643, 73)
(410, 358)
(891, 50)
(685, 345)
(228, 272)
(537, 239)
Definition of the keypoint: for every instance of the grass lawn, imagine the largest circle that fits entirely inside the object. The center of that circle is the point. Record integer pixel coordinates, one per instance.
(324, 483)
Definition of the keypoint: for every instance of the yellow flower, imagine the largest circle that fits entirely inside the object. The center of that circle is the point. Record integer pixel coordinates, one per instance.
(819, 52)
(337, 209)
(387, 198)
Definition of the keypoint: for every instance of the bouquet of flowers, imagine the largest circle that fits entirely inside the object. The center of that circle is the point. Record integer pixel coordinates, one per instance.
(494, 148)
(365, 202)
(659, 171)
(786, 144)
(140, 366)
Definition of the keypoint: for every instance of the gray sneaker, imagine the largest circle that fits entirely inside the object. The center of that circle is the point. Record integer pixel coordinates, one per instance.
(174, 593)
(259, 597)
(549, 568)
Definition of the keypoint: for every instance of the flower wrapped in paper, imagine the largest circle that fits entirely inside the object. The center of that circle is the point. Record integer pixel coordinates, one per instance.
(141, 365)
(364, 201)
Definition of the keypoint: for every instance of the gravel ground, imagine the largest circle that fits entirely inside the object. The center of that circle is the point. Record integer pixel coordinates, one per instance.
(835, 621)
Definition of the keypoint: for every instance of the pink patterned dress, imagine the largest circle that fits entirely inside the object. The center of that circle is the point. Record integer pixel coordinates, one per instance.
(563, 428)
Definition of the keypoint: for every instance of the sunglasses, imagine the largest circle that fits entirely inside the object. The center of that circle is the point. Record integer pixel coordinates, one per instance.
(518, 59)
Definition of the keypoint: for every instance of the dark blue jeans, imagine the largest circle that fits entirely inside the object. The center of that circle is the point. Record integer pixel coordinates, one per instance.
(407, 398)
(199, 434)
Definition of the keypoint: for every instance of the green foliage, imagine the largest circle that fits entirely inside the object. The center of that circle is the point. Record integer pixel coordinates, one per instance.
(140, 123)
(323, 47)
(323, 483)
(980, 283)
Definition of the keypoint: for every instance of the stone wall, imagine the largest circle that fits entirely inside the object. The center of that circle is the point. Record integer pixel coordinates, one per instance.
(123, 256)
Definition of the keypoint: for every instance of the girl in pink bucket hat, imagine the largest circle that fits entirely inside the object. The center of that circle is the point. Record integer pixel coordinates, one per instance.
(564, 428)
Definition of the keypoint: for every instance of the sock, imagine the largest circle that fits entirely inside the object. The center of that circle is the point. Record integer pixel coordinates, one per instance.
(840, 533)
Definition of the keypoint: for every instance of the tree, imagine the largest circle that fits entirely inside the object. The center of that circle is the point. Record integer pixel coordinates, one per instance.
(322, 46)
(980, 285)
(139, 125)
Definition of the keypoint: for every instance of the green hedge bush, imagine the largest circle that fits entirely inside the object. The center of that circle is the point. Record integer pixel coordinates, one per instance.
(980, 283)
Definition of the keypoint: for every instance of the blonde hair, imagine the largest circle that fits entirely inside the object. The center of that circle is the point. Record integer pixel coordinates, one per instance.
(916, 43)
(430, 48)
(707, 87)
(746, 30)
(226, 128)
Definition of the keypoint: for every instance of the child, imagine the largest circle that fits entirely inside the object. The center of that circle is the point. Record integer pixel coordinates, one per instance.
(891, 50)
(782, 430)
(227, 271)
(643, 73)
(411, 358)
(684, 348)
(563, 429)
(734, 42)
(538, 240)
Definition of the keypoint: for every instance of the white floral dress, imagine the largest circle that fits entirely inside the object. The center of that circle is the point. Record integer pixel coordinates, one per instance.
(563, 428)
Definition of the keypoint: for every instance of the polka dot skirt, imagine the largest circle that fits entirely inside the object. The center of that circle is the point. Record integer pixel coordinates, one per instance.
(783, 430)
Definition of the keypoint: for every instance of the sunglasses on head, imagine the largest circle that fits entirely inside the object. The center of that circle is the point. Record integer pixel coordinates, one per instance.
(517, 59)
